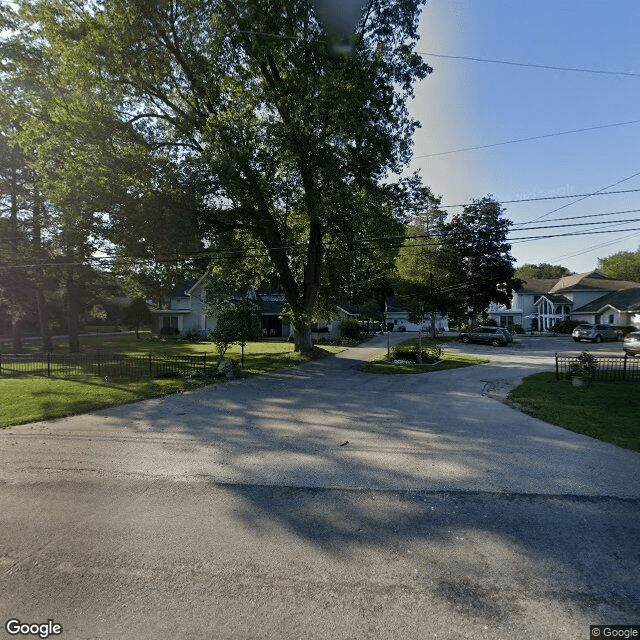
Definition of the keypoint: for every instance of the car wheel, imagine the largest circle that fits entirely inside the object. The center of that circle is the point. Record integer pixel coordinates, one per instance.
(576, 339)
(495, 342)
(598, 338)
(465, 339)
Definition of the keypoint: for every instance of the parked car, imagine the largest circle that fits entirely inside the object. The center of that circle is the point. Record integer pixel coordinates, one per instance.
(631, 344)
(595, 332)
(488, 335)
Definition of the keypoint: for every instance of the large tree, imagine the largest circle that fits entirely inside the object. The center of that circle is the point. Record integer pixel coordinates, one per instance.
(423, 276)
(624, 265)
(475, 241)
(542, 270)
(288, 141)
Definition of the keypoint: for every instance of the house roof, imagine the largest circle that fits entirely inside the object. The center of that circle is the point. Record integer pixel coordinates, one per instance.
(624, 300)
(537, 285)
(555, 298)
(182, 289)
(592, 280)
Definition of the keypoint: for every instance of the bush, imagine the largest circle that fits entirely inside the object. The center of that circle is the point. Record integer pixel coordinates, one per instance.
(350, 329)
(515, 328)
(430, 353)
(565, 326)
(626, 328)
(169, 331)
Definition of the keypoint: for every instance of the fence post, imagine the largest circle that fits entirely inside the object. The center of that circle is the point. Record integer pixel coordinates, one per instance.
(204, 364)
(557, 371)
(48, 364)
(150, 370)
(99, 367)
(624, 367)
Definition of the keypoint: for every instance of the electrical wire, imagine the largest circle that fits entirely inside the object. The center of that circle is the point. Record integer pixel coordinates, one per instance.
(539, 137)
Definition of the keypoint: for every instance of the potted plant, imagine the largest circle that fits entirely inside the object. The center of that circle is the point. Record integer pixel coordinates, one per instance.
(583, 369)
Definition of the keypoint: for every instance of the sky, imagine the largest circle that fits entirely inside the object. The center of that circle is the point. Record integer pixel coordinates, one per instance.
(465, 103)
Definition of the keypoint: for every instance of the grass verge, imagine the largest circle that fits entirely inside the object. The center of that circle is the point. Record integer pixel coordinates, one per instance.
(607, 411)
(31, 399)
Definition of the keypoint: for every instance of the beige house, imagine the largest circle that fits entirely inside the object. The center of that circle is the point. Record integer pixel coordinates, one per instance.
(588, 297)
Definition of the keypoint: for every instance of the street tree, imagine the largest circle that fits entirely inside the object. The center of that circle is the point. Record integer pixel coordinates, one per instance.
(478, 253)
(422, 275)
(290, 144)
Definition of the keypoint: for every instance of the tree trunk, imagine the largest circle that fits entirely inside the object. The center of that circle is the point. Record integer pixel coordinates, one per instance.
(16, 336)
(43, 318)
(72, 306)
(302, 339)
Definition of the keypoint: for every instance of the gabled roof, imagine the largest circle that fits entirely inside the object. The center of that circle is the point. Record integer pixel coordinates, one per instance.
(624, 300)
(555, 298)
(537, 285)
(182, 289)
(592, 280)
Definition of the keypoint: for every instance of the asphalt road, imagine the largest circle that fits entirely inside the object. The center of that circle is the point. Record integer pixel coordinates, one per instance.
(323, 502)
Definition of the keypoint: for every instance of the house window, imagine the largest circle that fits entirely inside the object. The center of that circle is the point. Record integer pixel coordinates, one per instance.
(505, 321)
(611, 320)
(170, 322)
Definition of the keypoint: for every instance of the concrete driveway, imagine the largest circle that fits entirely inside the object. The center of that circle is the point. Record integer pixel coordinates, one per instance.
(323, 502)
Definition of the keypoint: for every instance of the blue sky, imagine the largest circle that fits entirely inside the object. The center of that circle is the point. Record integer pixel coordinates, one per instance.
(465, 104)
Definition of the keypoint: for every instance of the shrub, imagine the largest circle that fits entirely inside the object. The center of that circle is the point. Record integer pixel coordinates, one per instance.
(515, 328)
(585, 366)
(565, 326)
(626, 328)
(430, 353)
(350, 329)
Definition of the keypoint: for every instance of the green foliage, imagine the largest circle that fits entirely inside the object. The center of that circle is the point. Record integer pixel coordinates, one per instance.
(136, 313)
(425, 354)
(585, 366)
(237, 322)
(542, 271)
(624, 265)
(350, 328)
(479, 254)
(281, 147)
(565, 326)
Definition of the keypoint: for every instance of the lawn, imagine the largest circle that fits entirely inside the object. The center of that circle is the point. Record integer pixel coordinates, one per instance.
(607, 411)
(29, 399)
(446, 361)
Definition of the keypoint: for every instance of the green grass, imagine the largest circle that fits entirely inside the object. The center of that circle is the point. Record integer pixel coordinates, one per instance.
(29, 399)
(607, 411)
(448, 361)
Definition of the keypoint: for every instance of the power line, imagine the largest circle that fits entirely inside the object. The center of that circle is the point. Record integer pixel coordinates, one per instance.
(575, 195)
(582, 197)
(540, 137)
(528, 64)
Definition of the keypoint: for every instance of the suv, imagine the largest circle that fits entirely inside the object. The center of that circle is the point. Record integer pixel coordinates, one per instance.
(489, 335)
(595, 332)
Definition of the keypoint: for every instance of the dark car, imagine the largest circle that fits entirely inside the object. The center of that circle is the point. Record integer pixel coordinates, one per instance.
(595, 332)
(631, 344)
(488, 335)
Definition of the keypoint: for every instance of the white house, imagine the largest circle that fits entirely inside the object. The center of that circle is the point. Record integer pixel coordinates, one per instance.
(588, 297)
(187, 312)
(397, 319)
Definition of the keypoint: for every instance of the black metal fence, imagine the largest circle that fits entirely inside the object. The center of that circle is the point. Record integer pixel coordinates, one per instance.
(608, 368)
(113, 365)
